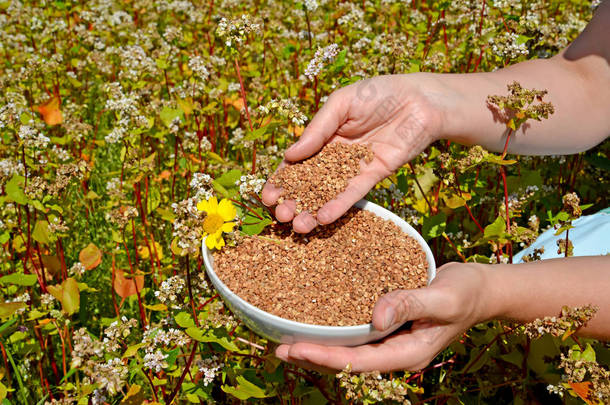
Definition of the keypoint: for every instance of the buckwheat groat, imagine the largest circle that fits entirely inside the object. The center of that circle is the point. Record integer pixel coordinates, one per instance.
(317, 180)
(332, 276)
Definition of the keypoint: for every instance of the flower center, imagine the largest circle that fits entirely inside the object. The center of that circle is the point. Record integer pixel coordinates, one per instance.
(212, 223)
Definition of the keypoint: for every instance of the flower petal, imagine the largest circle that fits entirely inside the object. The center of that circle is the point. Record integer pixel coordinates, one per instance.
(220, 242)
(212, 205)
(226, 209)
(210, 242)
(203, 206)
(228, 226)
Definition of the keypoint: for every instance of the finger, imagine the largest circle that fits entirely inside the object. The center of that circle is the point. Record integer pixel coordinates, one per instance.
(282, 353)
(285, 211)
(304, 223)
(270, 194)
(323, 125)
(400, 306)
(356, 189)
(403, 351)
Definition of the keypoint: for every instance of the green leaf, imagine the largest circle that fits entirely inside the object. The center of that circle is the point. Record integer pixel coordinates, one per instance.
(14, 189)
(132, 350)
(19, 279)
(172, 355)
(154, 199)
(167, 115)
(496, 230)
(4, 237)
(426, 180)
(255, 228)
(210, 336)
(184, 320)
(245, 389)
(229, 178)
(434, 226)
(70, 296)
(9, 308)
(41, 232)
(491, 158)
(339, 63)
(588, 354)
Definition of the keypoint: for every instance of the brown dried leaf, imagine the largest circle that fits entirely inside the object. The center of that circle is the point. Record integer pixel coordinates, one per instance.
(126, 287)
(50, 111)
(90, 256)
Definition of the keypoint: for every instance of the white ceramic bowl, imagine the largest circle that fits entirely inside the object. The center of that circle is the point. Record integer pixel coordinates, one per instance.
(282, 330)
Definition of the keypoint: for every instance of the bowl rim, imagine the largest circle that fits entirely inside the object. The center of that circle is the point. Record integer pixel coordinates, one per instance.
(287, 323)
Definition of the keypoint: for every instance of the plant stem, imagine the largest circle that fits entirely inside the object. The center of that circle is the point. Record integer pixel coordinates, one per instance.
(243, 97)
(187, 367)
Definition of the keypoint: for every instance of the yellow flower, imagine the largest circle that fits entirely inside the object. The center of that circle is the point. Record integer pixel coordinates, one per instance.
(215, 223)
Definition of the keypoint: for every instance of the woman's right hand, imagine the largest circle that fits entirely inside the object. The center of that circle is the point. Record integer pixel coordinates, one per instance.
(396, 115)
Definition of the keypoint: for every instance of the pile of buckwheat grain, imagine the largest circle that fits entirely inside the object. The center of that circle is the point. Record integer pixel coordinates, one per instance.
(331, 276)
(317, 180)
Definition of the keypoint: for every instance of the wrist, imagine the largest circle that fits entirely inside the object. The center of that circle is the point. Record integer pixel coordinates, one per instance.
(496, 296)
(450, 103)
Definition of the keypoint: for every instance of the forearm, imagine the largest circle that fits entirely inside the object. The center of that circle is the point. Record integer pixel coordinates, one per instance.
(578, 84)
(525, 292)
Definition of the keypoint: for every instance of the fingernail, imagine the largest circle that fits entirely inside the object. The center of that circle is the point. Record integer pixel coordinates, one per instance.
(389, 318)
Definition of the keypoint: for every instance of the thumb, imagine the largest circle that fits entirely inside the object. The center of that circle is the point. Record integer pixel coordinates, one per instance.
(400, 306)
(322, 127)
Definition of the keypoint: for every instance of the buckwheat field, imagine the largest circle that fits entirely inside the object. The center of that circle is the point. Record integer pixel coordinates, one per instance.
(131, 129)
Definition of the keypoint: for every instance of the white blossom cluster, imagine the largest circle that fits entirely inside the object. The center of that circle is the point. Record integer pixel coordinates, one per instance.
(158, 337)
(322, 57)
(47, 300)
(201, 184)
(187, 225)
(116, 332)
(135, 62)
(8, 167)
(209, 367)
(311, 5)
(170, 290)
(57, 225)
(192, 142)
(285, 108)
(32, 138)
(126, 108)
(235, 30)
(61, 154)
(507, 45)
(249, 184)
(111, 375)
(354, 16)
(77, 269)
(120, 18)
(98, 397)
(155, 360)
(197, 65)
(237, 139)
(113, 187)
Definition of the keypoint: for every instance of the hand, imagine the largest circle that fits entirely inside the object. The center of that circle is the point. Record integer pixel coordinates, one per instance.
(455, 300)
(398, 116)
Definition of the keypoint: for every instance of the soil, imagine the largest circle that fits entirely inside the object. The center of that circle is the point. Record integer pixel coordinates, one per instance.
(319, 179)
(331, 276)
